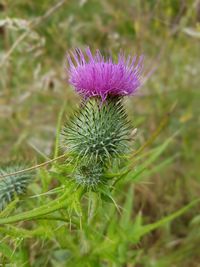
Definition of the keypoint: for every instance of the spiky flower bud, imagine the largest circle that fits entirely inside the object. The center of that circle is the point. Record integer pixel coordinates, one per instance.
(13, 185)
(89, 175)
(99, 132)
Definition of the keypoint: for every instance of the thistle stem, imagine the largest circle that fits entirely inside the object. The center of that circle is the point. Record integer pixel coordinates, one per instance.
(33, 167)
(37, 212)
(92, 206)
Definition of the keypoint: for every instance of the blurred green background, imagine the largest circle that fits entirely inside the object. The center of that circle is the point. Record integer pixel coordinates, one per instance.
(34, 38)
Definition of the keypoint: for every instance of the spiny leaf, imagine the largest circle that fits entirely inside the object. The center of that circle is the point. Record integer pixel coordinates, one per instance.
(140, 230)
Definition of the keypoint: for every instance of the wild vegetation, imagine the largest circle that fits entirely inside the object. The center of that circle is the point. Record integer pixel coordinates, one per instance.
(146, 214)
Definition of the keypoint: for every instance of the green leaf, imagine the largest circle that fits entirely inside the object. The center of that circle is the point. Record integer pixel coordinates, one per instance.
(139, 230)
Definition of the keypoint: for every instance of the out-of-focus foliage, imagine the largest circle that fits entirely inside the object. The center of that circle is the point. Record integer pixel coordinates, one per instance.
(33, 93)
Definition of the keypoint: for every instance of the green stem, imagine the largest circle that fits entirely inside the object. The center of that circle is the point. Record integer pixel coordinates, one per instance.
(54, 218)
(92, 206)
(37, 212)
(58, 128)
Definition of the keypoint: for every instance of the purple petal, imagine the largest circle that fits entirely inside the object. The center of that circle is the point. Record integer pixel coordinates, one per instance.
(96, 76)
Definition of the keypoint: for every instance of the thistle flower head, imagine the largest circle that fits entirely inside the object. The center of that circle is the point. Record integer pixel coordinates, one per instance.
(93, 75)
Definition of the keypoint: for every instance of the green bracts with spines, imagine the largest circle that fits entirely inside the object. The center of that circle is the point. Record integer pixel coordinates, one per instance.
(13, 185)
(98, 134)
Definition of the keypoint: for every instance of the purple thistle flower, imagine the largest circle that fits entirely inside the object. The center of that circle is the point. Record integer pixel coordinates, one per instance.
(95, 76)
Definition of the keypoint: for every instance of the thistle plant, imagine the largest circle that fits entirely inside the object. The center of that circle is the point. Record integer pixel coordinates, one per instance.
(73, 223)
(13, 185)
(100, 132)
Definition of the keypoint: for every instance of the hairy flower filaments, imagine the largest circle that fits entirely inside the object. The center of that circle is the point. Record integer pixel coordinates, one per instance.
(95, 76)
